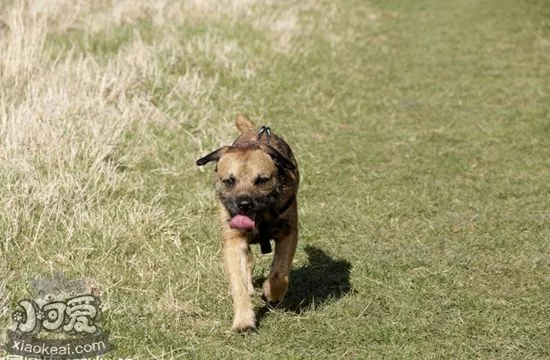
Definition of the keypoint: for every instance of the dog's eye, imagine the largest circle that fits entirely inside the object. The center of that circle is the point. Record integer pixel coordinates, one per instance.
(230, 181)
(261, 180)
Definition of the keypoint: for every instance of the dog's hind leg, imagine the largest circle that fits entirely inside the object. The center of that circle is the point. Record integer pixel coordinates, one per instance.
(236, 253)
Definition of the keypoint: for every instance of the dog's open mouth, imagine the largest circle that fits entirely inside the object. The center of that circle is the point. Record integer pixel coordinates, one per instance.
(242, 222)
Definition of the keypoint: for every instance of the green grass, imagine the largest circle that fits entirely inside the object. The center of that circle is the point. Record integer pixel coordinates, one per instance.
(422, 131)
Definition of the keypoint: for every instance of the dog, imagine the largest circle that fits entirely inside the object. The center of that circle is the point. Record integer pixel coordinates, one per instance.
(257, 182)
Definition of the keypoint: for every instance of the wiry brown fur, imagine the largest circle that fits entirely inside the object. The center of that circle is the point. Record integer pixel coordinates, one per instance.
(252, 157)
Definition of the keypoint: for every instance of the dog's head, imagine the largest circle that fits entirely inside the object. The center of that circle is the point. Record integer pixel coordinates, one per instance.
(248, 179)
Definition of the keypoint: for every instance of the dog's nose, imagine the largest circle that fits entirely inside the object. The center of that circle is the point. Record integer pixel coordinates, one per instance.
(245, 204)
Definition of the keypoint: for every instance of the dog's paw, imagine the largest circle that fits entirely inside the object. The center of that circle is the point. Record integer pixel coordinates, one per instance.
(275, 290)
(270, 304)
(244, 323)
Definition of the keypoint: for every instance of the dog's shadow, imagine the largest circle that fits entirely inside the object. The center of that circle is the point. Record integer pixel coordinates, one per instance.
(322, 279)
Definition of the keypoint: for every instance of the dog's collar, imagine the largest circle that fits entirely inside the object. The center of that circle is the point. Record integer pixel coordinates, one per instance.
(264, 130)
(265, 245)
(286, 206)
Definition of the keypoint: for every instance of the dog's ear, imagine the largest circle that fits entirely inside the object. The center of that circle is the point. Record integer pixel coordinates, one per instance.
(243, 124)
(213, 156)
(278, 158)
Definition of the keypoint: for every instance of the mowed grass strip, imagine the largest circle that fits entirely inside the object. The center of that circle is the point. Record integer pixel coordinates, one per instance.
(422, 130)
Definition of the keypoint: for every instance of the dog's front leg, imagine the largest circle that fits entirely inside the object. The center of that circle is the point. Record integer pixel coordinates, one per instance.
(236, 253)
(276, 285)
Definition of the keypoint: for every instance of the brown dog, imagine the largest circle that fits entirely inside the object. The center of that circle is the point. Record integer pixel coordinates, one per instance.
(256, 182)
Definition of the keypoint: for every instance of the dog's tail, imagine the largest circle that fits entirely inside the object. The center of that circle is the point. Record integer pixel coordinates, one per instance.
(243, 124)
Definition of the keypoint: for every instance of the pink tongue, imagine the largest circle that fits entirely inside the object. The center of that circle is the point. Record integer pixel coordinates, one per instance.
(242, 222)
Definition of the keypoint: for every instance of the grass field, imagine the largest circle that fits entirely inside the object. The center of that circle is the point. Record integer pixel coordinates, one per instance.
(422, 130)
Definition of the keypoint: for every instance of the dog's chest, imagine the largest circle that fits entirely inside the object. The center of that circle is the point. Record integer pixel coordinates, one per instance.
(268, 230)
